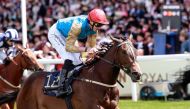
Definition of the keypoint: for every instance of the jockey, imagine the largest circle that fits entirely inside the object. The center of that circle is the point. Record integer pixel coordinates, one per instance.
(64, 34)
(7, 40)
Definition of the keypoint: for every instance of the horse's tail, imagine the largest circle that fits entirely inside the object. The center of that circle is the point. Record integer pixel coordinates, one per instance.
(8, 97)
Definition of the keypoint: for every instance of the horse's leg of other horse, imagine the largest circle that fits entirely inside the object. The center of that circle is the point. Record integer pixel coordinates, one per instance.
(5, 106)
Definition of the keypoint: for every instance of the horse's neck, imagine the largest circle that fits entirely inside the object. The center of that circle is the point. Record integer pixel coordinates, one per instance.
(13, 72)
(105, 70)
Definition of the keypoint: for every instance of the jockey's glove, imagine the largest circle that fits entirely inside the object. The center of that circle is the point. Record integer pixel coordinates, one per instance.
(91, 52)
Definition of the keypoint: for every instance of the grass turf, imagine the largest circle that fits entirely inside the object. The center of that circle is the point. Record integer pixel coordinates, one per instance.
(154, 104)
(128, 104)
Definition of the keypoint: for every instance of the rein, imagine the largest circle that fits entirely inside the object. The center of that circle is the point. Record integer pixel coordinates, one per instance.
(108, 61)
(9, 84)
(96, 82)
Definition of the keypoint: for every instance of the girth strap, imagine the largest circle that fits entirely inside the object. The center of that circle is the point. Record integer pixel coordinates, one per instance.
(68, 101)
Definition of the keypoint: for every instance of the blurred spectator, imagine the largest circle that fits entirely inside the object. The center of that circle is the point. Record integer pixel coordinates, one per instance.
(141, 45)
(140, 52)
(185, 42)
(125, 16)
(148, 40)
(44, 52)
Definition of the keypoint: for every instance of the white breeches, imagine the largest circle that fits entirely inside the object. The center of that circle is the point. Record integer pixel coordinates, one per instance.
(58, 42)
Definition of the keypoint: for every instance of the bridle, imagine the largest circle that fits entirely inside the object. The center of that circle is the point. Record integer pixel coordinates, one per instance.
(114, 64)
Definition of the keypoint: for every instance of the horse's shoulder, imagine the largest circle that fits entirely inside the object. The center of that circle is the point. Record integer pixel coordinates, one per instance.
(1, 66)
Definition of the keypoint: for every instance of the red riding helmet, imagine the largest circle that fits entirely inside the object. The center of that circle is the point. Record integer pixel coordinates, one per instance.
(98, 16)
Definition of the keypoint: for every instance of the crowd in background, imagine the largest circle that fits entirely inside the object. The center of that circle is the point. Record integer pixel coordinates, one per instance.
(140, 17)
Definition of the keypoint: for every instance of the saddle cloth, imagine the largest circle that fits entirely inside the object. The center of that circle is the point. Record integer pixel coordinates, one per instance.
(52, 83)
(55, 81)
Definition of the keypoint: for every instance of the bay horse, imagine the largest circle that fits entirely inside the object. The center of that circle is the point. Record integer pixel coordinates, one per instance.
(11, 74)
(97, 89)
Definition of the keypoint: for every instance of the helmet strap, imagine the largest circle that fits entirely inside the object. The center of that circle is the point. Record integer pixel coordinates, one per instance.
(92, 24)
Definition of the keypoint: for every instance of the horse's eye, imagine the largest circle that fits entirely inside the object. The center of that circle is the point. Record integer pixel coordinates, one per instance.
(27, 58)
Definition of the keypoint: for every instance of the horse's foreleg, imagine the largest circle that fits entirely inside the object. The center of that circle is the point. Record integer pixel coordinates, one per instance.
(114, 104)
(117, 107)
(5, 106)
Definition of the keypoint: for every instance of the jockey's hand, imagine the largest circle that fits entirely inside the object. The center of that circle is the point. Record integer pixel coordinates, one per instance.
(91, 52)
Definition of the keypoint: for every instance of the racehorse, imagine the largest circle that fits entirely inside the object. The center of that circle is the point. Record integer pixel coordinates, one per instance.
(11, 74)
(95, 87)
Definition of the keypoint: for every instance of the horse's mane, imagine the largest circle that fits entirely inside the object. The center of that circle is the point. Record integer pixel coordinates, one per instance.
(102, 50)
(104, 47)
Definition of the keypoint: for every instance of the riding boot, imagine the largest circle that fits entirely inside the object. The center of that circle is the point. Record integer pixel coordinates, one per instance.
(65, 88)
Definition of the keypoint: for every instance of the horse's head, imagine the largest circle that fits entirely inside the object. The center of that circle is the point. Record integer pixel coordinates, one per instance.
(126, 57)
(28, 60)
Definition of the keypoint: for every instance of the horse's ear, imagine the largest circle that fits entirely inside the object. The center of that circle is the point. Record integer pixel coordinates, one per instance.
(114, 39)
(123, 46)
(130, 37)
(27, 46)
(20, 48)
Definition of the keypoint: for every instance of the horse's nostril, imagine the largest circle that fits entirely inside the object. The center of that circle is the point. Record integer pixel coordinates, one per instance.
(137, 75)
(40, 69)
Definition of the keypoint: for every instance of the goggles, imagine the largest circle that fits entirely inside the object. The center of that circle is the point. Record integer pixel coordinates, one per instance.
(98, 24)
